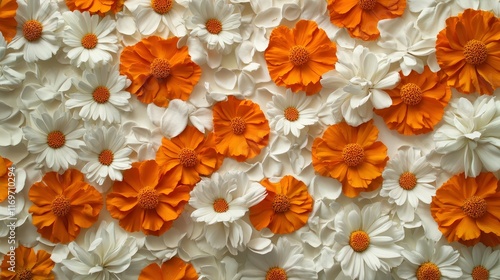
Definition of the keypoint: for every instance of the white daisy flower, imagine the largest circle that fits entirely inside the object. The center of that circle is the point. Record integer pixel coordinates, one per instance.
(9, 77)
(101, 94)
(54, 139)
(469, 138)
(291, 112)
(89, 40)
(106, 154)
(479, 262)
(221, 202)
(366, 241)
(408, 180)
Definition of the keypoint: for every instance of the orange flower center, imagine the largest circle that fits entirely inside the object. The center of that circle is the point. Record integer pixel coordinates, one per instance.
(281, 203)
(106, 157)
(89, 41)
(101, 94)
(298, 55)
(475, 52)
(220, 205)
(480, 273)
(56, 139)
(428, 271)
(276, 273)
(367, 4)
(238, 126)
(162, 6)
(188, 157)
(411, 94)
(61, 206)
(291, 114)
(353, 154)
(407, 181)
(148, 198)
(359, 241)
(474, 207)
(32, 30)
(160, 68)
(25, 274)
(213, 26)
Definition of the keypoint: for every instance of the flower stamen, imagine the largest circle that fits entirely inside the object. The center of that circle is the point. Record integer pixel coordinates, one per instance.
(221, 205)
(160, 68)
(148, 198)
(474, 207)
(188, 157)
(32, 30)
(238, 125)
(276, 273)
(353, 154)
(407, 181)
(475, 52)
(101, 94)
(25, 274)
(428, 271)
(106, 157)
(291, 114)
(281, 203)
(89, 41)
(480, 273)
(411, 94)
(162, 6)
(359, 241)
(367, 4)
(298, 55)
(56, 139)
(61, 206)
(214, 26)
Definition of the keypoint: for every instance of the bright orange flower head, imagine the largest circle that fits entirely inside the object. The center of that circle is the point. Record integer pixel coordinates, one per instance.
(95, 6)
(63, 204)
(189, 155)
(240, 127)
(467, 210)
(360, 17)
(159, 70)
(8, 23)
(418, 103)
(286, 207)
(29, 265)
(468, 51)
(296, 58)
(351, 155)
(147, 199)
(5, 164)
(173, 269)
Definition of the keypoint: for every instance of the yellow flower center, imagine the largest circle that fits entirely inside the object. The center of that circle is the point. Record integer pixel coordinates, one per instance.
(475, 52)
(407, 181)
(238, 126)
(428, 271)
(61, 206)
(276, 273)
(480, 273)
(359, 241)
(213, 26)
(148, 198)
(367, 4)
(188, 157)
(291, 114)
(220, 205)
(32, 30)
(474, 207)
(160, 68)
(56, 139)
(353, 154)
(298, 55)
(281, 203)
(89, 41)
(25, 274)
(411, 94)
(162, 6)
(101, 94)
(106, 157)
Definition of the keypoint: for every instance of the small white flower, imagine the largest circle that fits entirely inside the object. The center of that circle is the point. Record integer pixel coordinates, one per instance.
(9, 77)
(11, 120)
(479, 262)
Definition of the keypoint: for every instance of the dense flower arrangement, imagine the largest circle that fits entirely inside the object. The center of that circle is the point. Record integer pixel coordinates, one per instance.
(241, 139)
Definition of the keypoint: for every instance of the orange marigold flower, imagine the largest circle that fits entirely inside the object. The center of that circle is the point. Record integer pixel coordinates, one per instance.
(360, 17)
(95, 6)
(189, 155)
(63, 204)
(467, 210)
(296, 58)
(5, 164)
(173, 269)
(29, 265)
(240, 127)
(418, 103)
(159, 70)
(351, 155)
(8, 23)
(286, 207)
(147, 199)
(468, 51)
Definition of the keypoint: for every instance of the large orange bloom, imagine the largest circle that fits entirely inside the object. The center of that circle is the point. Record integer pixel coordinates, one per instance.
(286, 207)
(5, 173)
(159, 70)
(8, 23)
(297, 57)
(189, 155)
(468, 51)
(95, 6)
(351, 155)
(146, 199)
(467, 210)
(29, 265)
(360, 17)
(418, 103)
(63, 204)
(240, 127)
(173, 269)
